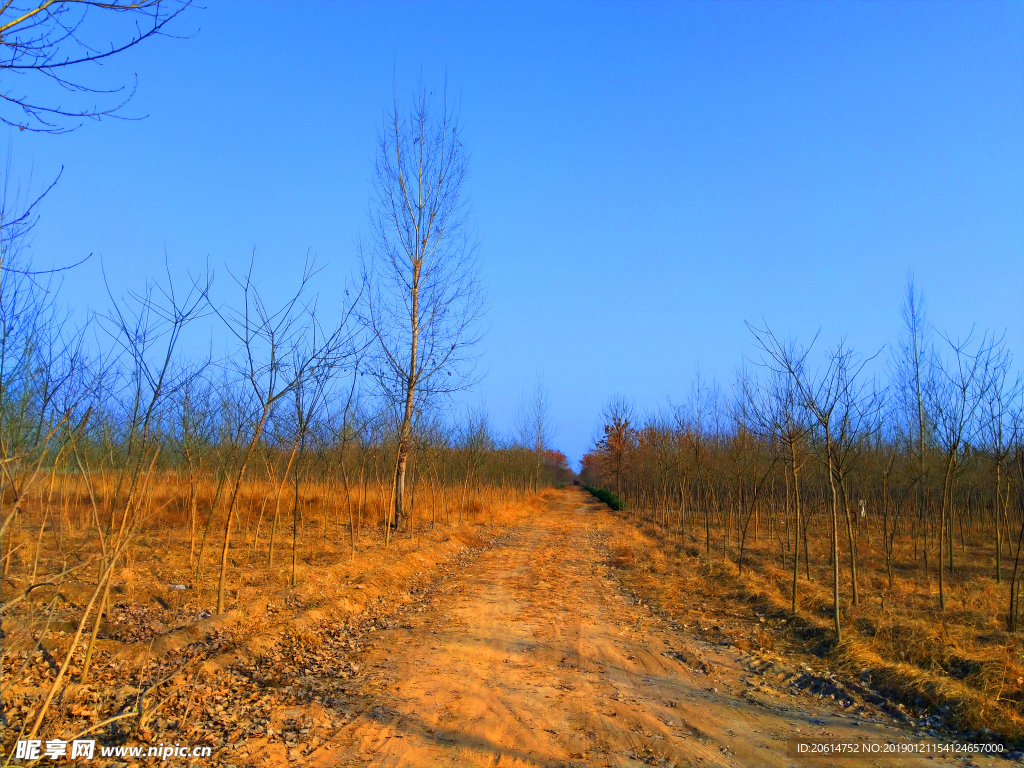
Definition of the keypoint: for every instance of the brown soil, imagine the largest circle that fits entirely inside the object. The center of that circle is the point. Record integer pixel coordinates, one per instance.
(536, 654)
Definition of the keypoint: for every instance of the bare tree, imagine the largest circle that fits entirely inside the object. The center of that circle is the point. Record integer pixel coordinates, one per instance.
(192, 433)
(146, 328)
(754, 432)
(1017, 581)
(997, 433)
(279, 350)
(618, 437)
(830, 397)
(859, 406)
(423, 299)
(54, 41)
(913, 369)
(309, 398)
(694, 419)
(956, 400)
(533, 422)
(40, 363)
(779, 413)
(891, 440)
(346, 423)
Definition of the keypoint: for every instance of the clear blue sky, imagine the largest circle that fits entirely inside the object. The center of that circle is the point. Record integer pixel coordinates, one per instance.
(645, 177)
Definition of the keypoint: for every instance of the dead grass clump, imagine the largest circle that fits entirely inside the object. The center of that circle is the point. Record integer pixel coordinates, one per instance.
(630, 548)
(622, 556)
(961, 703)
(308, 639)
(472, 537)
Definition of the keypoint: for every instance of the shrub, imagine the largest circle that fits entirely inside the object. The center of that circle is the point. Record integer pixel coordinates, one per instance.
(607, 497)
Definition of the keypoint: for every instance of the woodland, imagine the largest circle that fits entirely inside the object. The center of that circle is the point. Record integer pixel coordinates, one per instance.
(875, 502)
(251, 507)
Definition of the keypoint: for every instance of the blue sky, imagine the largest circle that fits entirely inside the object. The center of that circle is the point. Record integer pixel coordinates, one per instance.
(644, 178)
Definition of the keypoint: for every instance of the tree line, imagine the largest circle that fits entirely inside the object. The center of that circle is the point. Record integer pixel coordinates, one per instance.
(918, 449)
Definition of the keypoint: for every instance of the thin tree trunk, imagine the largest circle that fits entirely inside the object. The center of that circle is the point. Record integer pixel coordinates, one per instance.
(850, 541)
(835, 542)
(796, 548)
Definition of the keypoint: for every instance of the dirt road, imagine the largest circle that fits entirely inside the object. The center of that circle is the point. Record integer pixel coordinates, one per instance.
(536, 656)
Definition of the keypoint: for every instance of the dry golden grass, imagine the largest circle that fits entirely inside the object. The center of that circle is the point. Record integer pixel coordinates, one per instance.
(149, 619)
(961, 662)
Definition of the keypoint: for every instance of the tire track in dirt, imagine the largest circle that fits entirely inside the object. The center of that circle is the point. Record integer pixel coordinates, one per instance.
(536, 657)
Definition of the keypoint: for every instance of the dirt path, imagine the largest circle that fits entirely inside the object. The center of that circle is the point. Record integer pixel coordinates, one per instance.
(537, 657)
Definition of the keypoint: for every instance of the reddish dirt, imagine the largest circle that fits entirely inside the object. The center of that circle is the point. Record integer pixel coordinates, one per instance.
(536, 655)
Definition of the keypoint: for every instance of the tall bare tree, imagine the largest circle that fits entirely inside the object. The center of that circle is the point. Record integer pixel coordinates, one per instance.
(913, 373)
(779, 413)
(533, 422)
(423, 299)
(956, 400)
(831, 398)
